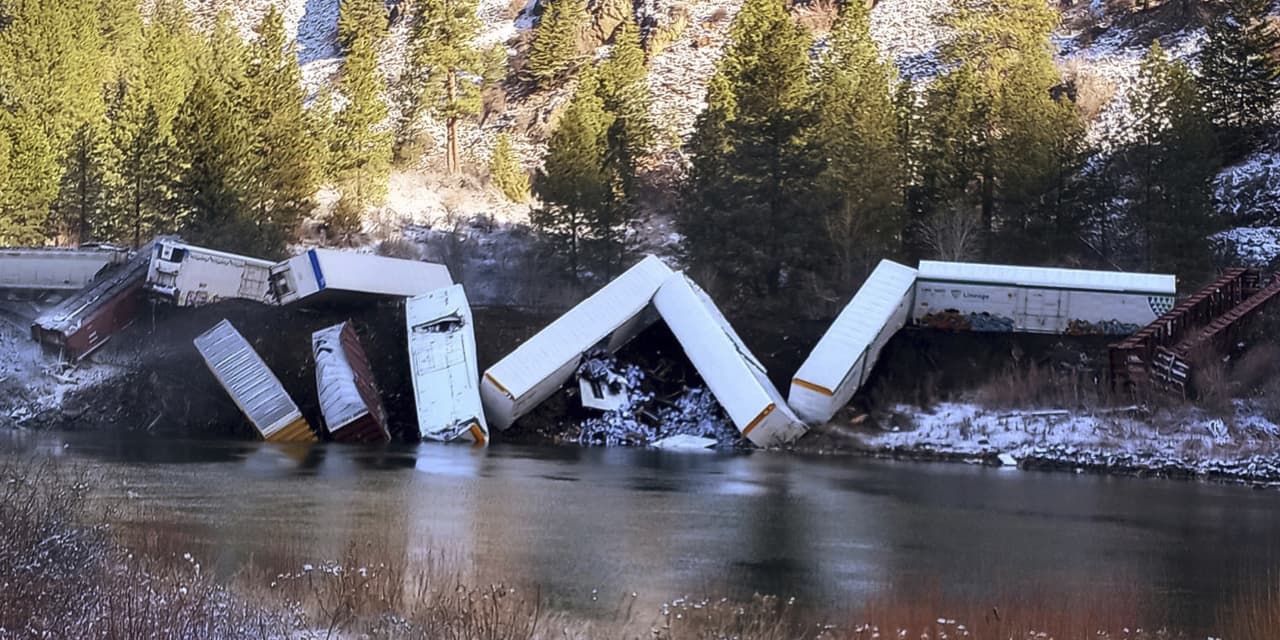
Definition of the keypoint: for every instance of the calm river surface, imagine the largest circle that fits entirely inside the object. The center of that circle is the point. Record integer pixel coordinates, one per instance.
(829, 531)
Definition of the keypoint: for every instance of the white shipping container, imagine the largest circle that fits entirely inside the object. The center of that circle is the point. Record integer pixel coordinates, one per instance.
(252, 385)
(49, 269)
(190, 276)
(349, 400)
(841, 361)
(735, 377)
(442, 360)
(328, 270)
(983, 297)
(540, 366)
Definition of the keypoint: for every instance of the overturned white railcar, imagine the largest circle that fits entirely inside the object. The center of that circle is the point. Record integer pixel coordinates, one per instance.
(320, 273)
(190, 276)
(987, 297)
(442, 359)
(252, 386)
(735, 377)
(540, 366)
(841, 361)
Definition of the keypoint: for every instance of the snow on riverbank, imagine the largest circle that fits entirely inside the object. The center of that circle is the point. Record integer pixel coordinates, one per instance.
(1184, 442)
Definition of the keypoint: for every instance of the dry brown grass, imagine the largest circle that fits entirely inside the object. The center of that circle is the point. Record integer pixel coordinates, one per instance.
(1034, 385)
(818, 16)
(1092, 90)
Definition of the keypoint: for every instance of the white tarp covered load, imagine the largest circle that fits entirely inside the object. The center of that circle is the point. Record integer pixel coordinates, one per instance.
(442, 359)
(348, 396)
(191, 276)
(839, 364)
(989, 297)
(253, 387)
(544, 363)
(328, 270)
(736, 378)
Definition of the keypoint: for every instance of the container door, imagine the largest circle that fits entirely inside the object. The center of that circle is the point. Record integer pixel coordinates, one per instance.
(1043, 310)
(253, 283)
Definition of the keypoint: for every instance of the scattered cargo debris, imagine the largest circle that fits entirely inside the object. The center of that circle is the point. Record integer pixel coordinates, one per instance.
(540, 366)
(54, 269)
(326, 273)
(442, 359)
(349, 400)
(252, 385)
(83, 322)
(684, 442)
(600, 387)
(740, 383)
(190, 276)
(841, 361)
(986, 297)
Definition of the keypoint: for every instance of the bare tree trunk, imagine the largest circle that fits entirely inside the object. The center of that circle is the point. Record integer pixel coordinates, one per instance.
(451, 123)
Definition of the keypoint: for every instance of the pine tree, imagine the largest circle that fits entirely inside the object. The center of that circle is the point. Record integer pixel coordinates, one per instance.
(213, 134)
(554, 53)
(574, 185)
(31, 180)
(361, 19)
(994, 133)
(624, 88)
(1172, 166)
(361, 145)
(749, 213)
(284, 173)
(858, 135)
(507, 174)
(1240, 76)
(444, 56)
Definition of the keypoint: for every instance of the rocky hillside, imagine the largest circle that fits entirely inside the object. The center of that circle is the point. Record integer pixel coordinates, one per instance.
(1100, 43)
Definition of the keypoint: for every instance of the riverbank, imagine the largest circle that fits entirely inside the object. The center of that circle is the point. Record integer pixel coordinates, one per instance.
(78, 567)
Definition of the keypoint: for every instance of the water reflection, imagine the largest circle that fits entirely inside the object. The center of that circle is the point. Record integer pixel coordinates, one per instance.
(592, 525)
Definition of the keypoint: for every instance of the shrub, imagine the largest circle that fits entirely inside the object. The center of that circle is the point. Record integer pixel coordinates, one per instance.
(506, 172)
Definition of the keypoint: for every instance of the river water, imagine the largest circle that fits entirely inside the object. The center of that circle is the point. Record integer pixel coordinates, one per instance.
(592, 525)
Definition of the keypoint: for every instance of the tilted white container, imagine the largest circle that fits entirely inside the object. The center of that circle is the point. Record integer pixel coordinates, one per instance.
(540, 366)
(190, 276)
(252, 385)
(320, 271)
(736, 378)
(841, 361)
(442, 359)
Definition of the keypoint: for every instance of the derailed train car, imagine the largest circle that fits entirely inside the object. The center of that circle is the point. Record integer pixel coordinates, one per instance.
(252, 386)
(735, 377)
(57, 269)
(349, 401)
(985, 297)
(843, 358)
(189, 276)
(318, 274)
(83, 322)
(541, 365)
(442, 361)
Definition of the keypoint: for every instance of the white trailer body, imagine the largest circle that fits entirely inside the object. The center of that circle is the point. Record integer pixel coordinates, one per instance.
(190, 276)
(442, 361)
(983, 297)
(252, 385)
(540, 366)
(841, 361)
(735, 377)
(50, 269)
(349, 400)
(319, 271)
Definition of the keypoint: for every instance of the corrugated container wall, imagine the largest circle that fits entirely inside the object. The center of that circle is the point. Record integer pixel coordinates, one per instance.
(252, 385)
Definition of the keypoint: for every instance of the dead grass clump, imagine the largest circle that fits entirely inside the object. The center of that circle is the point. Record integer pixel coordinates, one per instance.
(818, 16)
(1211, 386)
(718, 16)
(1039, 386)
(1257, 367)
(1092, 90)
(763, 618)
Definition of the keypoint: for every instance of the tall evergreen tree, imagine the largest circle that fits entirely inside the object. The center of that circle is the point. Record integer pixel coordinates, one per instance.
(30, 181)
(362, 144)
(213, 133)
(995, 135)
(284, 173)
(361, 19)
(1241, 77)
(858, 135)
(448, 63)
(575, 185)
(624, 88)
(749, 214)
(1172, 166)
(554, 53)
